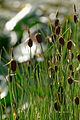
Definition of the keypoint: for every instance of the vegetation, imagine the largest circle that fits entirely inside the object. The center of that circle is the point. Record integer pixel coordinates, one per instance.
(51, 87)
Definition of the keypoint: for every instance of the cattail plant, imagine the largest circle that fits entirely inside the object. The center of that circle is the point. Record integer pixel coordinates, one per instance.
(78, 57)
(29, 42)
(56, 106)
(60, 94)
(13, 65)
(75, 18)
(56, 22)
(57, 30)
(71, 67)
(70, 80)
(72, 73)
(53, 37)
(38, 37)
(12, 62)
(75, 15)
(76, 100)
(56, 68)
(69, 45)
(61, 41)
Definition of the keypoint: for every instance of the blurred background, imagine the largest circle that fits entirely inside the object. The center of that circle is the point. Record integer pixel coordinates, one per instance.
(9, 8)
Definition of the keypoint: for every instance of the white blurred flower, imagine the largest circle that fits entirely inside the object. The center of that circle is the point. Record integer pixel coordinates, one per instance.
(3, 87)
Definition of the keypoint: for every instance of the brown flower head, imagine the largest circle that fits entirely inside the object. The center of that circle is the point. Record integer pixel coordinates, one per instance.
(69, 45)
(60, 97)
(76, 100)
(61, 41)
(60, 94)
(30, 42)
(57, 30)
(10, 78)
(13, 65)
(72, 56)
(56, 106)
(56, 22)
(71, 67)
(70, 80)
(60, 89)
(75, 18)
(56, 68)
(72, 73)
(38, 37)
(78, 57)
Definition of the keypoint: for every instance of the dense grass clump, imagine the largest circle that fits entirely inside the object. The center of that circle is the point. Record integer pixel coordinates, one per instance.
(50, 86)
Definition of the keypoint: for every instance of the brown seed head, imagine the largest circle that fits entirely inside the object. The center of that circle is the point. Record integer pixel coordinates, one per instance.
(70, 80)
(57, 30)
(75, 18)
(13, 65)
(53, 37)
(38, 37)
(71, 67)
(60, 97)
(72, 55)
(56, 106)
(10, 78)
(69, 45)
(60, 89)
(76, 100)
(30, 42)
(61, 41)
(56, 68)
(78, 57)
(56, 22)
(72, 73)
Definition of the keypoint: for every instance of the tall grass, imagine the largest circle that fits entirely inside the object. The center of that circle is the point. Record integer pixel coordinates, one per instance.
(44, 85)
